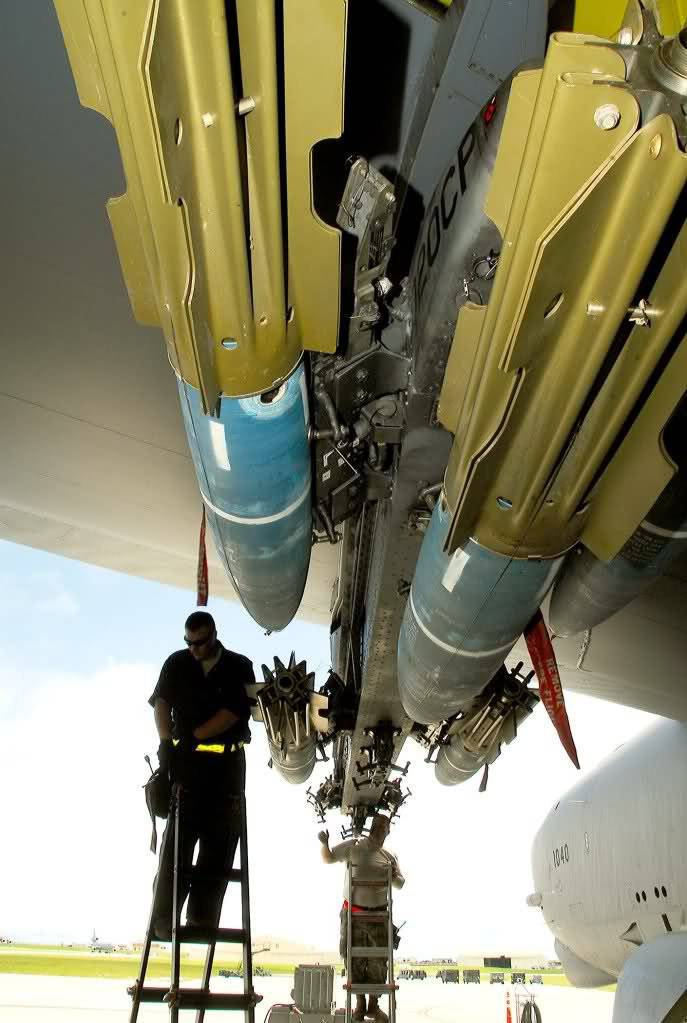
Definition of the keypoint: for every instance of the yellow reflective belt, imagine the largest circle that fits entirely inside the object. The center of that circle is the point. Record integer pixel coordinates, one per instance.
(213, 747)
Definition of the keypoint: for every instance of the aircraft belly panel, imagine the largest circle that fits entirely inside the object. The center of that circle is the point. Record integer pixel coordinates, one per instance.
(393, 560)
(470, 67)
(396, 544)
(616, 660)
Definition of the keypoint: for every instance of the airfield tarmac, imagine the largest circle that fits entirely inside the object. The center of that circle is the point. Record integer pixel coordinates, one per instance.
(31, 999)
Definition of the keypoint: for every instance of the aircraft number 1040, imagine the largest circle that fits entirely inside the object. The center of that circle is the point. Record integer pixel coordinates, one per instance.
(561, 855)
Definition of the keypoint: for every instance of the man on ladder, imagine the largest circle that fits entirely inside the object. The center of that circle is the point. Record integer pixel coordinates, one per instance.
(370, 866)
(201, 712)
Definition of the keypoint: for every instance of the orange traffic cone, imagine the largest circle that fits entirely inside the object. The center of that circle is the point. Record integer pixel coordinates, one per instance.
(509, 1015)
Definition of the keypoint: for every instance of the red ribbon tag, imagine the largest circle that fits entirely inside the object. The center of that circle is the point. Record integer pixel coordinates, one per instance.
(550, 687)
(202, 574)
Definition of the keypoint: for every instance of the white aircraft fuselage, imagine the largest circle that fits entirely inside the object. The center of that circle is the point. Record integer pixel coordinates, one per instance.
(610, 867)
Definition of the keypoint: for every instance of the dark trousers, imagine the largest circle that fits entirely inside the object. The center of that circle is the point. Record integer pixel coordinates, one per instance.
(209, 818)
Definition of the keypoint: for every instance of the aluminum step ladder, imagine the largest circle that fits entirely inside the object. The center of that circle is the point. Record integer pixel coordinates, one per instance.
(200, 999)
(366, 951)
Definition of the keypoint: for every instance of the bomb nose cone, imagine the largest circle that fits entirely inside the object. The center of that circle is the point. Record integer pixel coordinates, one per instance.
(464, 614)
(252, 461)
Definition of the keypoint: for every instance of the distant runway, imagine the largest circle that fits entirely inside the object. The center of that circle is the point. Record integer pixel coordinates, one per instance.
(28, 999)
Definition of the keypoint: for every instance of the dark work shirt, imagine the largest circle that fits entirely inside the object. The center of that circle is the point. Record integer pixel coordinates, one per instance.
(194, 697)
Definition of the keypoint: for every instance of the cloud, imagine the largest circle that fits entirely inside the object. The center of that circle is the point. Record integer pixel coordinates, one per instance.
(41, 593)
(72, 768)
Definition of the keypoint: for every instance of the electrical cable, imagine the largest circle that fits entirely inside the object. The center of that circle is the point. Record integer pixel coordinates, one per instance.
(277, 1005)
(531, 1013)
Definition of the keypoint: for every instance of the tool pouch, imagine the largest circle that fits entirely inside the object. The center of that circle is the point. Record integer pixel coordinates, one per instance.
(158, 793)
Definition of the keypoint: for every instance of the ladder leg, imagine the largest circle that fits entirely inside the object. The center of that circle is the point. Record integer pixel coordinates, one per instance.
(249, 1013)
(349, 942)
(176, 908)
(207, 973)
(370, 946)
(135, 990)
(178, 836)
(210, 955)
(390, 940)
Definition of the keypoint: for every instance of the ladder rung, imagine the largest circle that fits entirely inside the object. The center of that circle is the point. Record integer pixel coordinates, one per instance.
(150, 994)
(359, 883)
(379, 914)
(192, 998)
(370, 989)
(369, 952)
(194, 874)
(206, 935)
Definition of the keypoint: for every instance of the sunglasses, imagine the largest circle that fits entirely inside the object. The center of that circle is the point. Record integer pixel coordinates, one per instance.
(196, 642)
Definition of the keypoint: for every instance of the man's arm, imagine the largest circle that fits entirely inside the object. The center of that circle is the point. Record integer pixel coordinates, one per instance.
(163, 719)
(235, 706)
(215, 725)
(325, 850)
(335, 855)
(397, 878)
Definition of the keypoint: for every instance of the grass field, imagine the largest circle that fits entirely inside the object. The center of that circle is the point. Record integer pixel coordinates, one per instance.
(56, 961)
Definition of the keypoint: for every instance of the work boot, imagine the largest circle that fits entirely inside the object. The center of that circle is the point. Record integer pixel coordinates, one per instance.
(374, 1012)
(358, 1013)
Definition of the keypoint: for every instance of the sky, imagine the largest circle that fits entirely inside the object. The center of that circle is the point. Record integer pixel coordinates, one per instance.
(81, 648)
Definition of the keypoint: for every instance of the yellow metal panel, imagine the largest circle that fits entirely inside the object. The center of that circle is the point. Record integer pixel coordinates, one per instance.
(99, 89)
(202, 179)
(671, 15)
(647, 343)
(465, 362)
(605, 18)
(521, 103)
(573, 158)
(80, 45)
(131, 246)
(580, 260)
(492, 390)
(641, 465)
(160, 72)
(258, 41)
(315, 60)
(599, 17)
(584, 194)
(619, 507)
